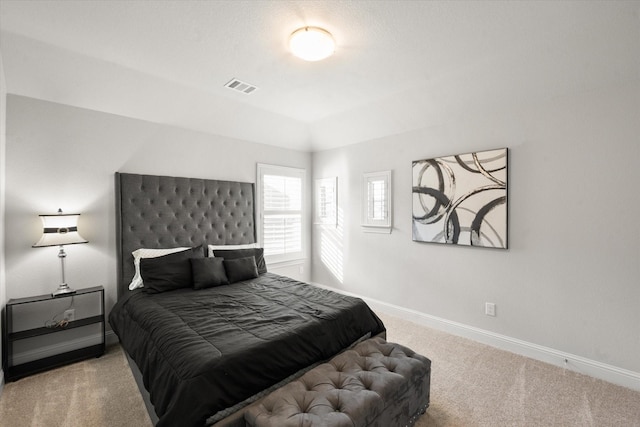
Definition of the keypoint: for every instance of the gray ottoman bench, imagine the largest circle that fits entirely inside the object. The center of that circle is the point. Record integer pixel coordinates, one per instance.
(376, 383)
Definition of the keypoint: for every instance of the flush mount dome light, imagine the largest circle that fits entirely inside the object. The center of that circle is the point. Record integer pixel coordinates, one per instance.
(312, 43)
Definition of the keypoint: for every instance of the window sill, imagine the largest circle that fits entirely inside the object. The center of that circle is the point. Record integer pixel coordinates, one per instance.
(379, 229)
(287, 263)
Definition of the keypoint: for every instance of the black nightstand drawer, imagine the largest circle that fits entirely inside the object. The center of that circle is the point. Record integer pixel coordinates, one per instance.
(35, 340)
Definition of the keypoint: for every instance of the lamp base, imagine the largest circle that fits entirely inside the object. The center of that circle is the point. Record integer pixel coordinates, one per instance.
(62, 290)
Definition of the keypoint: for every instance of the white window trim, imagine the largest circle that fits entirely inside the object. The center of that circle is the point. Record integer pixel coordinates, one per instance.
(370, 225)
(332, 217)
(261, 169)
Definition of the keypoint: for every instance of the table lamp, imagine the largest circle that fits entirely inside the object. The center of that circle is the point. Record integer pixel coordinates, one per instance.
(59, 230)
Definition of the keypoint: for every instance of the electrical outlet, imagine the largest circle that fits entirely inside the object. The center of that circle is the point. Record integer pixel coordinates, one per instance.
(489, 309)
(70, 314)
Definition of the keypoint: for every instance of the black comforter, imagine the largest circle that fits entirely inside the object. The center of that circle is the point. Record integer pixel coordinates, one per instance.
(201, 351)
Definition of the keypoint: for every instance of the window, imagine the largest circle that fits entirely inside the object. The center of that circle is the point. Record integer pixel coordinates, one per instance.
(376, 202)
(327, 201)
(281, 212)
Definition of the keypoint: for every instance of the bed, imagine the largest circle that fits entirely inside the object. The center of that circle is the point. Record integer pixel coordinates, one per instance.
(204, 354)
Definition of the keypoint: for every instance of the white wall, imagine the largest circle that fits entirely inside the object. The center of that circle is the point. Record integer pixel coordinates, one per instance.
(570, 280)
(65, 157)
(3, 127)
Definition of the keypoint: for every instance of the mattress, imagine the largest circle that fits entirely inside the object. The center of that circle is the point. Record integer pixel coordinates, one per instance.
(203, 351)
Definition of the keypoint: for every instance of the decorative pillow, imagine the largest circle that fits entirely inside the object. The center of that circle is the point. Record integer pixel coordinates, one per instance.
(169, 272)
(208, 272)
(231, 247)
(258, 253)
(141, 253)
(240, 269)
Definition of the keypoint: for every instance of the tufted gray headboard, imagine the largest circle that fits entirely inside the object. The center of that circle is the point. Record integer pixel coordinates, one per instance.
(164, 212)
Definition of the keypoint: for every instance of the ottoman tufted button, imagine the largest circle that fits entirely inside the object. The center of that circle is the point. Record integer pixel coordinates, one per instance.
(351, 390)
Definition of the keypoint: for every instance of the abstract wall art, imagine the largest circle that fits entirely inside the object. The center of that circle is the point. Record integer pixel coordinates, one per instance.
(462, 199)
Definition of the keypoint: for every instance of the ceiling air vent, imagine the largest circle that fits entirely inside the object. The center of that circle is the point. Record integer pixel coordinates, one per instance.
(240, 86)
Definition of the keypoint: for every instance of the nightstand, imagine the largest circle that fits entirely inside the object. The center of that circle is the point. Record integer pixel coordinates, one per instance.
(35, 339)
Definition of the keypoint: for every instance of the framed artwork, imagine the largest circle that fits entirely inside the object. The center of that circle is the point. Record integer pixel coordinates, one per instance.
(462, 199)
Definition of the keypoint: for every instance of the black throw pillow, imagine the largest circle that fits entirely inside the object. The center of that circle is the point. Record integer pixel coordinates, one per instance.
(240, 269)
(258, 253)
(169, 272)
(208, 272)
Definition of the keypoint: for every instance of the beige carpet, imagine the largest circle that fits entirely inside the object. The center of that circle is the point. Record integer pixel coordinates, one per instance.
(471, 385)
(98, 392)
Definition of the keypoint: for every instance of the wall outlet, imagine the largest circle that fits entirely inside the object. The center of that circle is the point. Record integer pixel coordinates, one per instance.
(489, 309)
(70, 314)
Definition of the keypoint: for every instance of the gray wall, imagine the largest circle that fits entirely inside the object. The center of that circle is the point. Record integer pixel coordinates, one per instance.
(570, 280)
(61, 156)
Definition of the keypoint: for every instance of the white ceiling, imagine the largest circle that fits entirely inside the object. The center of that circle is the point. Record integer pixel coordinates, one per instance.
(398, 65)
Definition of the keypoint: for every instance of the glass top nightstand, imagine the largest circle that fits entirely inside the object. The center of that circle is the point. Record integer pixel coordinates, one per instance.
(36, 337)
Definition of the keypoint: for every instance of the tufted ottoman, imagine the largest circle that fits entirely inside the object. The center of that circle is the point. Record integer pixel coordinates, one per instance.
(374, 384)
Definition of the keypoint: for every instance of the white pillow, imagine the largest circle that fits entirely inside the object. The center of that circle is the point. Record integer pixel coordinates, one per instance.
(138, 254)
(231, 247)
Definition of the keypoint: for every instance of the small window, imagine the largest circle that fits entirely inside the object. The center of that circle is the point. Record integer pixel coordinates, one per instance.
(377, 209)
(327, 201)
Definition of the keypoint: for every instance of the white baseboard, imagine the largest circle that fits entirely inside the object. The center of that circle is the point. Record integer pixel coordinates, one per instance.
(603, 371)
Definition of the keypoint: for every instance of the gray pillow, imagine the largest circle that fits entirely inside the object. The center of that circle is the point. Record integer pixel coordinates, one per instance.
(240, 269)
(208, 272)
(258, 253)
(169, 272)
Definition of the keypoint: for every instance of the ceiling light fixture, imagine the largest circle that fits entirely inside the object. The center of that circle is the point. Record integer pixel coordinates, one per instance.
(312, 43)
